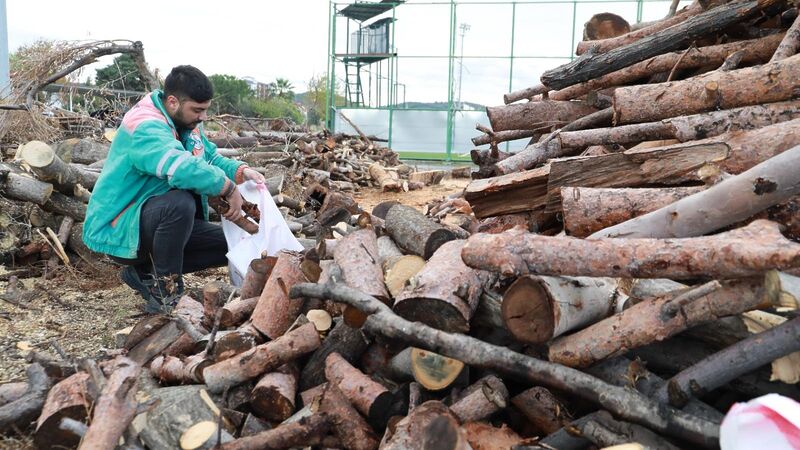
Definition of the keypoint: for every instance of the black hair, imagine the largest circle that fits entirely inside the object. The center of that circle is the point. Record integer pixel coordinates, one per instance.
(188, 82)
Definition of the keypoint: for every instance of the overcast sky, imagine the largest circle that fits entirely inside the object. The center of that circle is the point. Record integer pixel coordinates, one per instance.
(288, 38)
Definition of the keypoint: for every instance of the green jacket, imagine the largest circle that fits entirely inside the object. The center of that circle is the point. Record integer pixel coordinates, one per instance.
(148, 157)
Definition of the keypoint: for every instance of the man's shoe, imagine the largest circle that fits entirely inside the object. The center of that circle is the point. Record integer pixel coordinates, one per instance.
(162, 294)
(130, 276)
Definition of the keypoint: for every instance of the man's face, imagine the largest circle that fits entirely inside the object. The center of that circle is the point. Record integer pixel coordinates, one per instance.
(186, 114)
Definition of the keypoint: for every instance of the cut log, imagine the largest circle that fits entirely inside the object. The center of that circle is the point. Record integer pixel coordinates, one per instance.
(237, 311)
(82, 151)
(274, 394)
(527, 93)
(399, 270)
(204, 435)
(414, 232)
(47, 166)
(262, 358)
(387, 249)
(605, 26)
(546, 413)
(445, 293)
(231, 343)
(504, 136)
(383, 179)
(735, 198)
(654, 320)
(782, 289)
(69, 398)
(537, 309)
(587, 210)
(604, 431)
(12, 391)
(408, 432)
(24, 188)
(754, 51)
(309, 431)
(743, 252)
(480, 400)
(349, 342)
(539, 116)
(212, 301)
(65, 206)
(257, 275)
(274, 312)
(155, 343)
(445, 433)
(507, 194)
(369, 397)
(351, 429)
(771, 82)
(611, 43)
(253, 425)
(483, 436)
(235, 141)
(594, 65)
(115, 409)
(22, 412)
(433, 371)
(738, 359)
(168, 369)
(357, 256)
(428, 177)
(625, 403)
(790, 43)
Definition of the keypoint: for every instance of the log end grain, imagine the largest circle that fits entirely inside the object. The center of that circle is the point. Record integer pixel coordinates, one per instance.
(528, 312)
(436, 239)
(433, 312)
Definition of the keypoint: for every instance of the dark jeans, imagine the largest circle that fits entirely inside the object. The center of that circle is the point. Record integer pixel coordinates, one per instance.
(173, 241)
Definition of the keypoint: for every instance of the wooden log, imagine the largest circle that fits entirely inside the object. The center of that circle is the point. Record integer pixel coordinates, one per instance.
(544, 410)
(444, 432)
(414, 232)
(483, 436)
(274, 312)
(237, 311)
(212, 301)
(25, 188)
(504, 136)
(21, 412)
(431, 370)
(115, 409)
(399, 270)
(445, 293)
(369, 397)
(204, 435)
(480, 400)
(47, 166)
(605, 26)
(308, 431)
(790, 43)
(604, 431)
(594, 65)
(754, 51)
(407, 432)
(428, 177)
(536, 309)
(261, 359)
(527, 93)
(69, 398)
(782, 289)
(348, 342)
(654, 320)
(738, 359)
(587, 210)
(628, 405)
(539, 116)
(357, 256)
(387, 249)
(12, 391)
(82, 151)
(748, 251)
(351, 429)
(234, 342)
(253, 425)
(169, 370)
(611, 43)
(65, 206)
(740, 197)
(772, 82)
(274, 394)
(507, 194)
(155, 343)
(235, 141)
(257, 274)
(383, 179)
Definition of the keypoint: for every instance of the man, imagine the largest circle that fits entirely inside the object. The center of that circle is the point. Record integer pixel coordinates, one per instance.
(149, 208)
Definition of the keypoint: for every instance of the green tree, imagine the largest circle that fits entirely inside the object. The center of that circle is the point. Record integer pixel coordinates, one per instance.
(231, 95)
(276, 107)
(121, 74)
(283, 88)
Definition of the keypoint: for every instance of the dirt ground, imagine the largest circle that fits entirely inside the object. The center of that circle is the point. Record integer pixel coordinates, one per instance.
(81, 308)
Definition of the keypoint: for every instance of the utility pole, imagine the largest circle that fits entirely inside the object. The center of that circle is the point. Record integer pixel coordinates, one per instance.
(5, 82)
(463, 28)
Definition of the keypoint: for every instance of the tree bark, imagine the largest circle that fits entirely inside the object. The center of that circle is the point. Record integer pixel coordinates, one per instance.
(768, 83)
(445, 293)
(369, 397)
(527, 93)
(49, 167)
(65, 206)
(12, 391)
(155, 343)
(483, 436)
(414, 232)
(306, 432)
(82, 151)
(428, 177)
(503, 136)
(21, 412)
(546, 412)
(274, 394)
(507, 194)
(68, 398)
(738, 359)
(408, 433)
(256, 278)
(743, 252)
(262, 358)
(730, 201)
(604, 431)
(480, 400)
(237, 311)
(115, 409)
(357, 255)
(790, 43)
(382, 178)
(628, 405)
(649, 321)
(274, 312)
(605, 45)
(587, 210)
(755, 51)
(346, 341)
(594, 65)
(537, 308)
(351, 429)
(24, 188)
(540, 115)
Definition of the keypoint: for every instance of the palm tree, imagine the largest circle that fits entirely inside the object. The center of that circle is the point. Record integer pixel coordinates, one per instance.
(283, 88)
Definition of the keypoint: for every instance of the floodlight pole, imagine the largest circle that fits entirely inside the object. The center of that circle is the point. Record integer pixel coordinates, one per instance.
(464, 27)
(5, 82)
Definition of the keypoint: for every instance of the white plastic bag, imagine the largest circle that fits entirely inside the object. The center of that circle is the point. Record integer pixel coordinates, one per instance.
(273, 233)
(768, 422)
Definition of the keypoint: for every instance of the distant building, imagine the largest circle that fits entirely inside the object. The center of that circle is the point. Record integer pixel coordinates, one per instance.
(261, 90)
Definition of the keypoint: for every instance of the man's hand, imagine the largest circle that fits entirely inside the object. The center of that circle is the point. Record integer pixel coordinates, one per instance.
(234, 205)
(251, 174)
